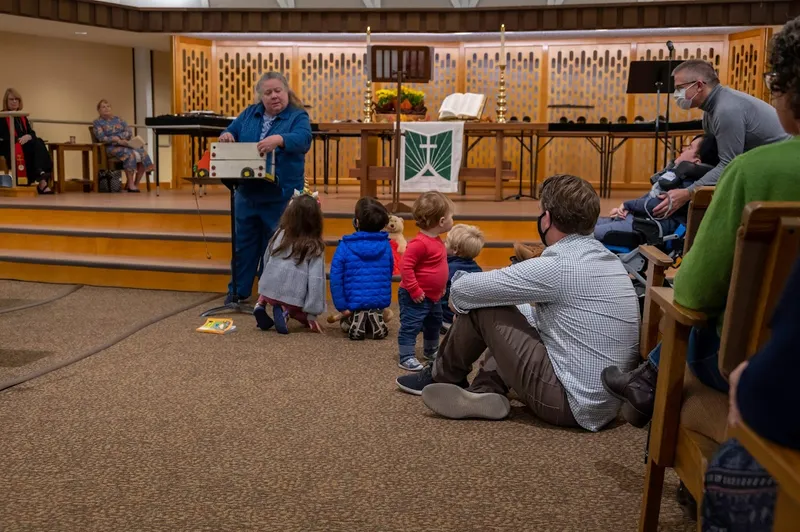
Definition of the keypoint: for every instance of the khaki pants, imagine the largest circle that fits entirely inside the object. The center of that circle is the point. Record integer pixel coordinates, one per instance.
(517, 359)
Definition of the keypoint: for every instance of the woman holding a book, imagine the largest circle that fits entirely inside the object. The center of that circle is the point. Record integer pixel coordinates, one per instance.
(120, 143)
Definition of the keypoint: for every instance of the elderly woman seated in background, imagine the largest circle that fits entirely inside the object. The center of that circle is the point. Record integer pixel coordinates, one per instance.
(114, 132)
(38, 164)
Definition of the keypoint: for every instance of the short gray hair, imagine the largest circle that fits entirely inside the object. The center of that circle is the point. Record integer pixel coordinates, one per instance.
(293, 99)
(701, 70)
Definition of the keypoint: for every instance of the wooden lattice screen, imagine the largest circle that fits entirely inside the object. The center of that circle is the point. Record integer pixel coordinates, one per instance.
(540, 76)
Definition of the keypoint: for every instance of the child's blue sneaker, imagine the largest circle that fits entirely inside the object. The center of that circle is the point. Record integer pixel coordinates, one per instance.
(410, 364)
(263, 320)
(279, 316)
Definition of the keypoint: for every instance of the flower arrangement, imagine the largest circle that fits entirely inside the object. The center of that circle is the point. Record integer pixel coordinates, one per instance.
(412, 101)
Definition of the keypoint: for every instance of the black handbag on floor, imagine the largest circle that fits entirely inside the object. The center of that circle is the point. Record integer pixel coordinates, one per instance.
(110, 181)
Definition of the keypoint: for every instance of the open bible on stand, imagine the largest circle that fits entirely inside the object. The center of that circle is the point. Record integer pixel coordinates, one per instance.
(458, 106)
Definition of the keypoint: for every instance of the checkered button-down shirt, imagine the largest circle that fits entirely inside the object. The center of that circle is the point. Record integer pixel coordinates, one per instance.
(586, 312)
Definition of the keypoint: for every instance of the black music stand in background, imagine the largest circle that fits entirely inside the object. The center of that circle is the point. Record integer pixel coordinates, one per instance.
(653, 77)
(398, 64)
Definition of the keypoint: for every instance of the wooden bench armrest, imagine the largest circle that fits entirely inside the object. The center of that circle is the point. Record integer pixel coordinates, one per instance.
(656, 256)
(780, 462)
(665, 299)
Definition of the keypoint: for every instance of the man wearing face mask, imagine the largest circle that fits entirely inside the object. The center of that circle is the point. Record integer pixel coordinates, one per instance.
(548, 325)
(738, 121)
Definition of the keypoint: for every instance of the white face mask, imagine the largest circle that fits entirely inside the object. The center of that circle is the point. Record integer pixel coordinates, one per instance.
(681, 99)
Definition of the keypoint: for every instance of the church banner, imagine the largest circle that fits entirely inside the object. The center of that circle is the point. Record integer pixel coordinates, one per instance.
(430, 157)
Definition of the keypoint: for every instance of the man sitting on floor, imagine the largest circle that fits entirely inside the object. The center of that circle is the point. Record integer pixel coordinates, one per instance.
(694, 162)
(586, 315)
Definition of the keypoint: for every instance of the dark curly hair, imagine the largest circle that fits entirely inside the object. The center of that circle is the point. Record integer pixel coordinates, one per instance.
(784, 60)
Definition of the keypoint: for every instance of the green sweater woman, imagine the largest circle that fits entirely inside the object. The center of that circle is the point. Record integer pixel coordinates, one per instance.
(767, 173)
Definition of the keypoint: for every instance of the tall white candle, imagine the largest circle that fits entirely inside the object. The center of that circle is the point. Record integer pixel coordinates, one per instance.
(503, 44)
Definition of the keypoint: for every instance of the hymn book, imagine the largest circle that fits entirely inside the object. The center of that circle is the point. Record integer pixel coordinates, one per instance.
(458, 106)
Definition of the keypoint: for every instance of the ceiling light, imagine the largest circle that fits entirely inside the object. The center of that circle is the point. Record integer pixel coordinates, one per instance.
(81, 33)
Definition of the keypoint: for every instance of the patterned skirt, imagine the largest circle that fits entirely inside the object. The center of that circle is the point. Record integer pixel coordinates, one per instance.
(739, 494)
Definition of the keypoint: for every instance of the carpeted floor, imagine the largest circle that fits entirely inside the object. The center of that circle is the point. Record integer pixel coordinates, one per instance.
(170, 429)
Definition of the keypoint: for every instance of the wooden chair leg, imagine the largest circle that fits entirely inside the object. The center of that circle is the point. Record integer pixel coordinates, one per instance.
(651, 500)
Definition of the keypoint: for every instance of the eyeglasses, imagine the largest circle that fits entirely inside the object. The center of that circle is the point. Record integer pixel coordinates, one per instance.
(686, 85)
(769, 79)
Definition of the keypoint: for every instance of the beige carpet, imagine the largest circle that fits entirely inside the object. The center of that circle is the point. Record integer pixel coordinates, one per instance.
(16, 293)
(174, 430)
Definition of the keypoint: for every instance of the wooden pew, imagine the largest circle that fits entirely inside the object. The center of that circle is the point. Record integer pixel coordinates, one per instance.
(768, 241)
(659, 264)
(701, 199)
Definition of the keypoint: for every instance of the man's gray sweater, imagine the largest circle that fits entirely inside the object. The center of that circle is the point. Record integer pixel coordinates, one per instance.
(739, 122)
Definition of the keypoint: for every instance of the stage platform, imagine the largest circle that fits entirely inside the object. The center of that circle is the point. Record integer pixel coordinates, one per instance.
(178, 241)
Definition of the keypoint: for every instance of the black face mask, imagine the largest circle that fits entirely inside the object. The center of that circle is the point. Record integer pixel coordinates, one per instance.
(539, 227)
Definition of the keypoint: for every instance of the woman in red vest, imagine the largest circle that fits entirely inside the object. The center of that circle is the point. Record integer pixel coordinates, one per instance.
(38, 165)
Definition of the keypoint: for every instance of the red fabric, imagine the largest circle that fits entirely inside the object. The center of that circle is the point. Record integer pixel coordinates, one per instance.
(423, 267)
(294, 311)
(396, 257)
(19, 156)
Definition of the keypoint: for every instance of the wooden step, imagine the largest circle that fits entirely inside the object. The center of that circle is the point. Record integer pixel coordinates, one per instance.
(494, 227)
(122, 271)
(119, 271)
(167, 245)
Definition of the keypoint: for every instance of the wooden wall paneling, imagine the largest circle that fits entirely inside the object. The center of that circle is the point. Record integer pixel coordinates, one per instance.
(610, 15)
(193, 93)
(645, 104)
(595, 75)
(523, 94)
(239, 68)
(332, 81)
(544, 90)
(746, 62)
(628, 150)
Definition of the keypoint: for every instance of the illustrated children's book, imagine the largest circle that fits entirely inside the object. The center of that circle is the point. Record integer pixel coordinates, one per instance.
(217, 326)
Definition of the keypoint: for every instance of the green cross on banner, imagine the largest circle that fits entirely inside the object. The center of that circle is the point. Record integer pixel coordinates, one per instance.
(431, 156)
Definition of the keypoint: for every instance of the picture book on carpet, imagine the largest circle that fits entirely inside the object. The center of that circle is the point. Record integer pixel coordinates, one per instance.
(217, 326)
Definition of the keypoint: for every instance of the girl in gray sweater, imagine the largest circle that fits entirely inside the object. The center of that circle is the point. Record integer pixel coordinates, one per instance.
(293, 277)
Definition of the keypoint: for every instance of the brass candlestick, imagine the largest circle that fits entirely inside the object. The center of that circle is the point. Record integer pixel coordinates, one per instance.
(368, 105)
(501, 97)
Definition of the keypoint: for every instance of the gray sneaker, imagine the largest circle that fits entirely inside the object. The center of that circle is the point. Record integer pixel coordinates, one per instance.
(452, 401)
(377, 325)
(358, 327)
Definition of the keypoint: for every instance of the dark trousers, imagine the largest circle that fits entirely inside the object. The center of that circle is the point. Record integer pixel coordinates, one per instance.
(516, 359)
(37, 160)
(255, 224)
(415, 317)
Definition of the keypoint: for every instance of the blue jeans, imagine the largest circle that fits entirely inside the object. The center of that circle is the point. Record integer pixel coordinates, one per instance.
(256, 222)
(605, 225)
(702, 356)
(416, 317)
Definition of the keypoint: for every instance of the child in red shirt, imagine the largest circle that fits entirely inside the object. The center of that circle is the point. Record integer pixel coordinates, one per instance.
(423, 271)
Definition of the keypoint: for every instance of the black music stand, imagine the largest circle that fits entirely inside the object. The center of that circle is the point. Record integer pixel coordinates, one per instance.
(396, 64)
(653, 77)
(235, 306)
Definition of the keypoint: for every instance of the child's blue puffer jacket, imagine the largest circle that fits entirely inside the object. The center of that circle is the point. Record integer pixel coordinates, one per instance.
(361, 272)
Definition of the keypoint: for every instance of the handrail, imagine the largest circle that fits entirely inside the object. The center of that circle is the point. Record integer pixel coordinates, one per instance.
(76, 122)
